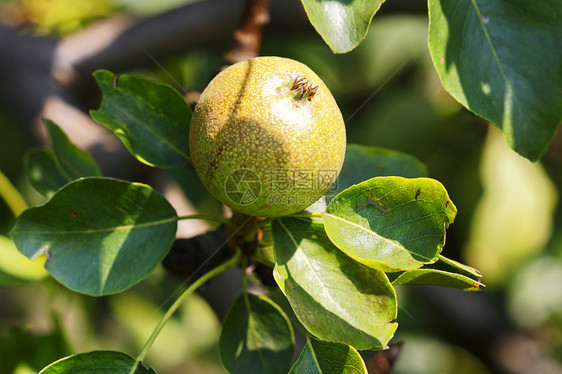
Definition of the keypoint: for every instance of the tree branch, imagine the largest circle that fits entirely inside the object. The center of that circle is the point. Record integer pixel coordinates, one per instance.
(247, 38)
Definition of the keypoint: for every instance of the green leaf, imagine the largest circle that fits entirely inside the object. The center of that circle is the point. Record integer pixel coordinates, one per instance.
(106, 362)
(152, 119)
(42, 171)
(72, 162)
(391, 222)
(256, 337)
(445, 273)
(342, 24)
(363, 162)
(434, 277)
(100, 235)
(319, 357)
(501, 60)
(453, 266)
(15, 267)
(334, 297)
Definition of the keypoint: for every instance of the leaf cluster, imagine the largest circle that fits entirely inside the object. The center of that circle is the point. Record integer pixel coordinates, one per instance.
(382, 226)
(337, 269)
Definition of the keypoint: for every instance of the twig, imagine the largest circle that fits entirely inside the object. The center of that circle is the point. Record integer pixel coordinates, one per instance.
(180, 300)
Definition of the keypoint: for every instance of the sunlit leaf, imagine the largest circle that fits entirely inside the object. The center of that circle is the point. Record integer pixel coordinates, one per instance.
(363, 162)
(445, 273)
(453, 266)
(319, 357)
(434, 277)
(342, 24)
(334, 297)
(501, 59)
(391, 222)
(100, 235)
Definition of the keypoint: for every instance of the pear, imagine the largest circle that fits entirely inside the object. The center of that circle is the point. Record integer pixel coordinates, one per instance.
(267, 137)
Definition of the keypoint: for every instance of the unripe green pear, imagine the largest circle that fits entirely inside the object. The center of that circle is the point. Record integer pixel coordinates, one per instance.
(267, 137)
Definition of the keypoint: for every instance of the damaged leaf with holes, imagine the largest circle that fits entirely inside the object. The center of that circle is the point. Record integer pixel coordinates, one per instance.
(391, 223)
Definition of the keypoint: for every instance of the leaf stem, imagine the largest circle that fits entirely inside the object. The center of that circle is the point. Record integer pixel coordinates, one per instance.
(306, 215)
(253, 232)
(207, 217)
(232, 262)
(11, 196)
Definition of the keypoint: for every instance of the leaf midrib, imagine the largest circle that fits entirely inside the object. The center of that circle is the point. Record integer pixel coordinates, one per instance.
(106, 229)
(252, 328)
(320, 281)
(392, 242)
(498, 62)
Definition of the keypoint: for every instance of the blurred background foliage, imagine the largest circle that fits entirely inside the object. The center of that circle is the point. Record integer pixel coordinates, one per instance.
(390, 95)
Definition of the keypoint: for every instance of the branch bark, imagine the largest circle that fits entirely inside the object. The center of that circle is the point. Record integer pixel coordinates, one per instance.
(247, 38)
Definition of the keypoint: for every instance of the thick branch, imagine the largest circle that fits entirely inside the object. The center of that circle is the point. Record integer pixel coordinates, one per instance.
(200, 24)
(247, 38)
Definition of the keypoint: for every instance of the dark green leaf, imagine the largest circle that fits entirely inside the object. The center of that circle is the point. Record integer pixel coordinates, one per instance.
(342, 24)
(43, 172)
(100, 235)
(72, 162)
(96, 362)
(152, 119)
(256, 337)
(334, 297)
(319, 357)
(363, 162)
(391, 222)
(501, 59)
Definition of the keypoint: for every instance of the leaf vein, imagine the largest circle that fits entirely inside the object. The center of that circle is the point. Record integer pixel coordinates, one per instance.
(147, 128)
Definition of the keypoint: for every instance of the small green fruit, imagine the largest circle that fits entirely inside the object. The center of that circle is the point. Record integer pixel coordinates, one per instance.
(267, 137)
